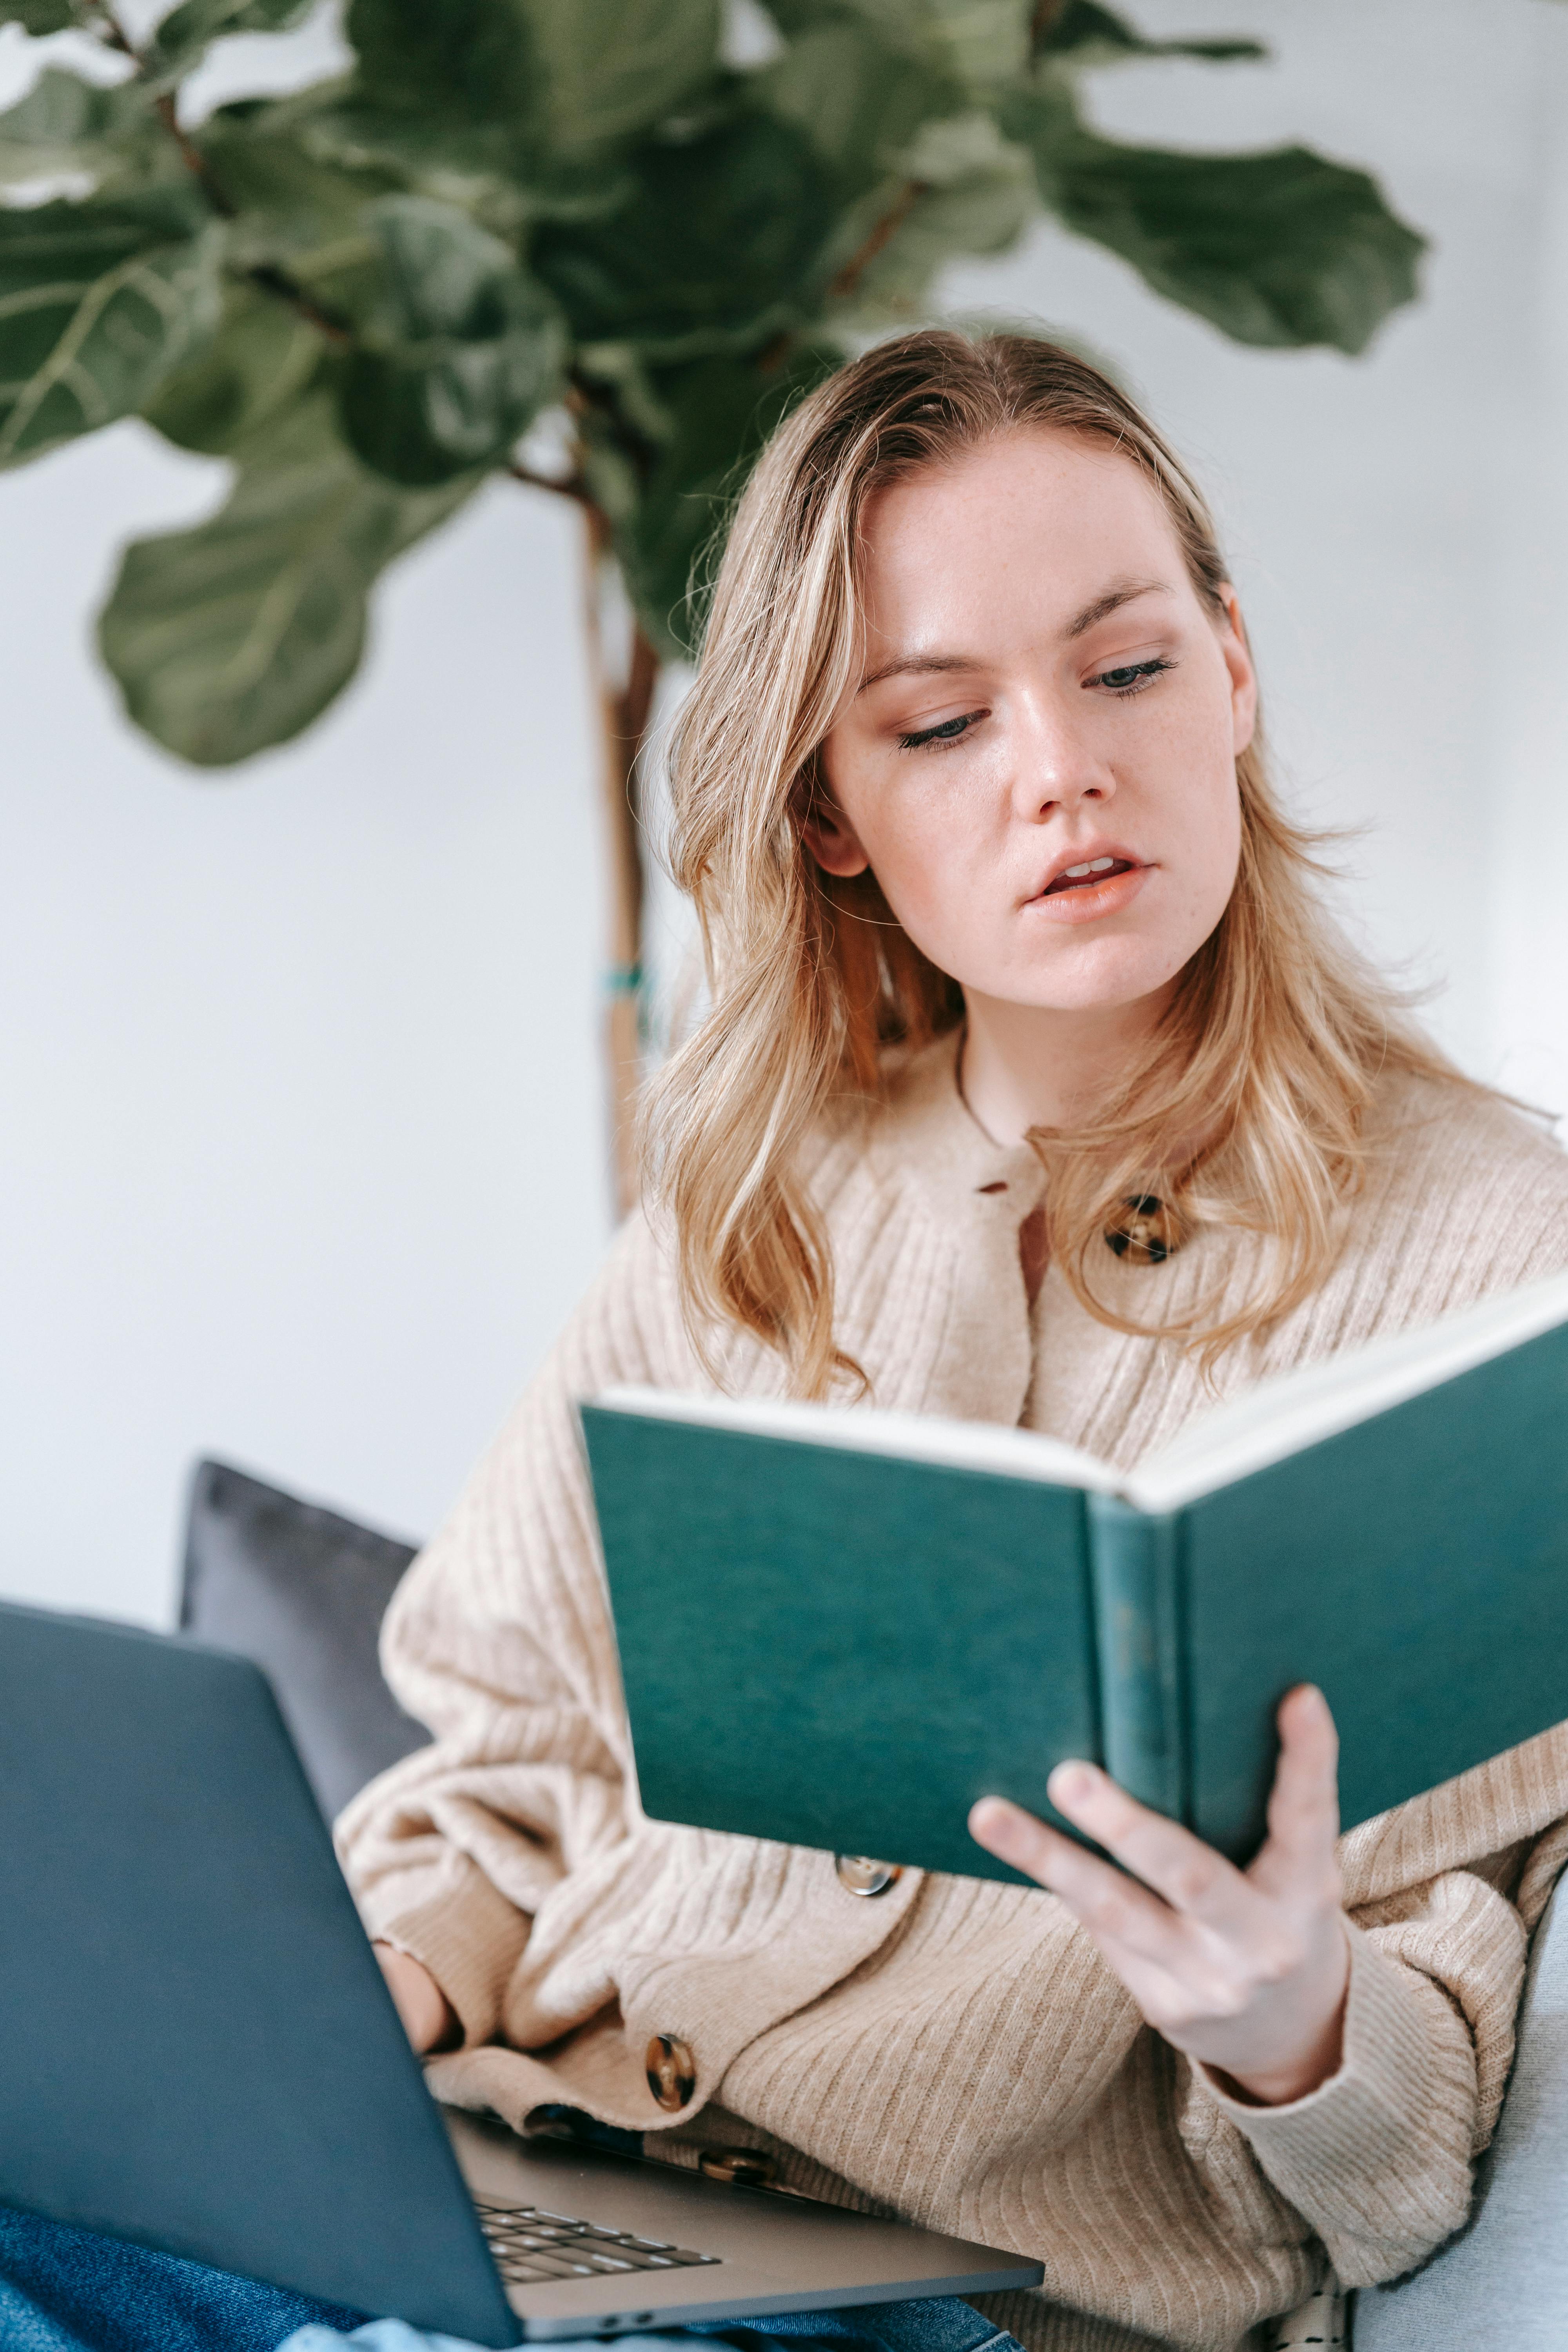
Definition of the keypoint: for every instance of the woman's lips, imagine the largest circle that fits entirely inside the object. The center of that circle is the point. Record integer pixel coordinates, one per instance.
(1084, 899)
(1087, 870)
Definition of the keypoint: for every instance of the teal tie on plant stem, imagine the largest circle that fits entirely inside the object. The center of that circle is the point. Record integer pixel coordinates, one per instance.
(627, 983)
(625, 706)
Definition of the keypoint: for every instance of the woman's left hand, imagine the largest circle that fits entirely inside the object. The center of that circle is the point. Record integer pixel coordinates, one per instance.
(1245, 1970)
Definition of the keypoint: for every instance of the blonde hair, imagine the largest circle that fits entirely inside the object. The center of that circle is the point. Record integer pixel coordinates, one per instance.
(1267, 1054)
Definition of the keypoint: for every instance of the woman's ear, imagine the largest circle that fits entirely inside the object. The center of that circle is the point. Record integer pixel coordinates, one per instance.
(831, 839)
(1237, 655)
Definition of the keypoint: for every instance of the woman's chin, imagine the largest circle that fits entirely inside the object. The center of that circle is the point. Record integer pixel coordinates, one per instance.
(1110, 975)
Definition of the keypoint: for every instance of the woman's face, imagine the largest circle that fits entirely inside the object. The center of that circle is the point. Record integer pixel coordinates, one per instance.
(1038, 763)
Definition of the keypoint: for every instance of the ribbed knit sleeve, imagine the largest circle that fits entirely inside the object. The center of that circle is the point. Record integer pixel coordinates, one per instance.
(1377, 2160)
(499, 1640)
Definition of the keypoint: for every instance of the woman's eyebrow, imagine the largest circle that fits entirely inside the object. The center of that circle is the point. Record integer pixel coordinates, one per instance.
(1120, 593)
(917, 666)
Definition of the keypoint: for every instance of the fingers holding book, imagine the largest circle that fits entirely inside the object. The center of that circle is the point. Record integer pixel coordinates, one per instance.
(1244, 1970)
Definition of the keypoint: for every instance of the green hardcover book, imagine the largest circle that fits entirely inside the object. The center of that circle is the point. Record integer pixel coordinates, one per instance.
(837, 1626)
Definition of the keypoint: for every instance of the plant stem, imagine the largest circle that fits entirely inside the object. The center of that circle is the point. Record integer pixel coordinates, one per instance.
(569, 486)
(624, 713)
(191, 156)
(267, 276)
(275, 281)
(849, 279)
(115, 32)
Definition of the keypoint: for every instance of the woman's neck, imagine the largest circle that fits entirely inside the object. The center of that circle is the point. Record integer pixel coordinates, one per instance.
(1027, 1065)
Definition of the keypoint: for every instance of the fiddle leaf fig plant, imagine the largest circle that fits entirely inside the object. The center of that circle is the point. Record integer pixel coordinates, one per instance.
(617, 215)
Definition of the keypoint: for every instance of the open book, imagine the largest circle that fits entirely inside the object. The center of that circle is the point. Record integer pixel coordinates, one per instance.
(840, 1626)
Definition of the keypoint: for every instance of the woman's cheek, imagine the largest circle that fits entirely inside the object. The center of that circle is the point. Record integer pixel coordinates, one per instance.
(917, 847)
(1215, 855)
(930, 893)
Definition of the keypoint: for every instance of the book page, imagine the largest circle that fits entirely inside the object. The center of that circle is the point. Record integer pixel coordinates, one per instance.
(864, 1429)
(1285, 1415)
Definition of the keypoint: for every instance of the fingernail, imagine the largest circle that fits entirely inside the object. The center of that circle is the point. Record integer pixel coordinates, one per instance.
(1070, 1784)
(990, 1820)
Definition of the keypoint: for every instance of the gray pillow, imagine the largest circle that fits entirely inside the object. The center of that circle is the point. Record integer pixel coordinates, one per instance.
(303, 1593)
(1503, 2282)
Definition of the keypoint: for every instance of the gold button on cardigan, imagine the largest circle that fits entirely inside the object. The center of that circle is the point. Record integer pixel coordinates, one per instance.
(671, 2075)
(1146, 1232)
(956, 2050)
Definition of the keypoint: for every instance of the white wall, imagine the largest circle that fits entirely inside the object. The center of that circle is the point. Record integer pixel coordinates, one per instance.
(301, 1153)
(1525, 819)
(300, 1149)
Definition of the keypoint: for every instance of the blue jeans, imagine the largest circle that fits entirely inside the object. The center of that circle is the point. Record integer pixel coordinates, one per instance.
(67, 2290)
(937, 2324)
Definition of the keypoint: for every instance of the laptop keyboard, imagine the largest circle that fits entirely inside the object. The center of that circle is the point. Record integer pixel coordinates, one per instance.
(531, 2246)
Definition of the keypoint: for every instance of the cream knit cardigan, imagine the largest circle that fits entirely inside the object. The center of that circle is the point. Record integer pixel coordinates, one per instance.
(956, 2050)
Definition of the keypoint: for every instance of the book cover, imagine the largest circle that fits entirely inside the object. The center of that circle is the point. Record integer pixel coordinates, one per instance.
(838, 1627)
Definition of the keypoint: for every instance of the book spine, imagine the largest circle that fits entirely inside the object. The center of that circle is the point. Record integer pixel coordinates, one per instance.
(1135, 1562)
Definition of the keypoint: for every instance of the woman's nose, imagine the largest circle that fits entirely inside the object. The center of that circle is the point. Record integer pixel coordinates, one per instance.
(1057, 770)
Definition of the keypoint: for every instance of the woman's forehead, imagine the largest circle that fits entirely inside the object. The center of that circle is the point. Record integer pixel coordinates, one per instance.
(1053, 513)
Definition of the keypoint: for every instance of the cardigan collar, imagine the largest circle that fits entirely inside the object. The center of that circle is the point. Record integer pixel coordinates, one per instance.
(927, 1136)
(973, 1358)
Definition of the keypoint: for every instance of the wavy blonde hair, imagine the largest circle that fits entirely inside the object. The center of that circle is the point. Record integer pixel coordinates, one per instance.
(1275, 1036)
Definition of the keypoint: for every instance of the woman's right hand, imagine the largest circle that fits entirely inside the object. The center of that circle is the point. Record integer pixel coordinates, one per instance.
(429, 2018)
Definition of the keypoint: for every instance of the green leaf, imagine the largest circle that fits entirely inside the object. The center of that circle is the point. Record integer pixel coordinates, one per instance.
(232, 637)
(447, 92)
(560, 75)
(985, 43)
(987, 40)
(613, 67)
(721, 411)
(303, 211)
(263, 357)
(291, 199)
(717, 243)
(930, 177)
(469, 62)
(444, 277)
(967, 191)
(529, 89)
(65, 124)
(1084, 34)
(181, 41)
(503, 172)
(860, 103)
(1283, 248)
(38, 18)
(465, 354)
(98, 302)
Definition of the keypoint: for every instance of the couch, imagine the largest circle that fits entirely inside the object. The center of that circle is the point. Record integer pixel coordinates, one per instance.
(302, 1591)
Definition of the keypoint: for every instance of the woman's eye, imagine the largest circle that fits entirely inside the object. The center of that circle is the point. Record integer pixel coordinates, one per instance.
(950, 731)
(1130, 678)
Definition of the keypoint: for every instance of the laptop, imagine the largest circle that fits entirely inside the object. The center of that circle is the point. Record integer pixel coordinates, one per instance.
(201, 2054)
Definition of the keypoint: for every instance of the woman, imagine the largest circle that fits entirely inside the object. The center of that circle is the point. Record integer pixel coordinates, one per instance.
(1006, 931)
(1035, 1087)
